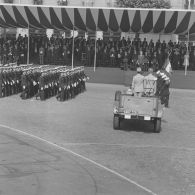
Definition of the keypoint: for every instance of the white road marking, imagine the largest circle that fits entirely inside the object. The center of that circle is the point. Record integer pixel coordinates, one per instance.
(80, 156)
(129, 145)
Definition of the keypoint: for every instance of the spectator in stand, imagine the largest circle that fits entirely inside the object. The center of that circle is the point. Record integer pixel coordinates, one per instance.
(134, 59)
(55, 46)
(163, 46)
(125, 61)
(41, 55)
(192, 64)
(151, 45)
(158, 44)
(176, 57)
(154, 63)
(140, 60)
(144, 45)
(170, 43)
(88, 52)
(112, 57)
(160, 58)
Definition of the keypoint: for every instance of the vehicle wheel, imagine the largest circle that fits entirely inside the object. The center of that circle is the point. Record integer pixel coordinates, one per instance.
(116, 122)
(157, 125)
(117, 95)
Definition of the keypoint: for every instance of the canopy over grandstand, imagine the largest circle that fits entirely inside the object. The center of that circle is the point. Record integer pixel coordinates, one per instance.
(94, 19)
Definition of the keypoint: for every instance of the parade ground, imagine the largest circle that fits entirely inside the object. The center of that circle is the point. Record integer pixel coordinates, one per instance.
(50, 147)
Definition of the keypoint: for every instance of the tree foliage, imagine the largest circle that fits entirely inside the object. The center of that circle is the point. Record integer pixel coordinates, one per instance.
(159, 4)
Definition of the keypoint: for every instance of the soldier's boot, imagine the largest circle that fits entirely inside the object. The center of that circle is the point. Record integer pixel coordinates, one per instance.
(66, 94)
(69, 94)
(58, 97)
(23, 95)
(37, 95)
(72, 93)
(42, 95)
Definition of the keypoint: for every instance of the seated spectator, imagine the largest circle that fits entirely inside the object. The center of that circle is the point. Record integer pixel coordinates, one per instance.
(140, 60)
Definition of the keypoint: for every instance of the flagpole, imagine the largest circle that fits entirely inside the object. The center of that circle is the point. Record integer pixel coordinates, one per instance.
(28, 54)
(186, 65)
(95, 50)
(73, 49)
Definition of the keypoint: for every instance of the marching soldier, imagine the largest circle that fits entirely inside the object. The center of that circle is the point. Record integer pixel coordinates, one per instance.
(61, 91)
(42, 87)
(1, 83)
(24, 84)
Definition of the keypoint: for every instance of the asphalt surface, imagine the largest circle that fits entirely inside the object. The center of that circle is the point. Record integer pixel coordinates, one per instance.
(91, 157)
(30, 166)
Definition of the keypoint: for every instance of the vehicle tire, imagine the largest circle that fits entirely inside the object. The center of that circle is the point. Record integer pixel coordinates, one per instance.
(117, 95)
(157, 125)
(116, 122)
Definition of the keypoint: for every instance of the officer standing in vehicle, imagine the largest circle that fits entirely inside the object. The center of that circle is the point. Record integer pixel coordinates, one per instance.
(138, 83)
(150, 83)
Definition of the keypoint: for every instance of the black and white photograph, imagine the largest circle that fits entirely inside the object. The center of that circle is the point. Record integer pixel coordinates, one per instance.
(97, 97)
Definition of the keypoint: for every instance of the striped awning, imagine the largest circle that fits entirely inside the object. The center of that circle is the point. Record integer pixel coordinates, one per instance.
(93, 19)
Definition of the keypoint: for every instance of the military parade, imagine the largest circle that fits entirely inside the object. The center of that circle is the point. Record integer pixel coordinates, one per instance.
(41, 82)
(97, 97)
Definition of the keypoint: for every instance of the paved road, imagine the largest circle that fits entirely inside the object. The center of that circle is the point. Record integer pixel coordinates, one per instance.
(30, 166)
(163, 163)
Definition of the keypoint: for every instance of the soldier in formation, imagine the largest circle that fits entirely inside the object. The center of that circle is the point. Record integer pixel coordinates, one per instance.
(41, 81)
(36, 80)
(48, 83)
(71, 83)
(29, 82)
(10, 79)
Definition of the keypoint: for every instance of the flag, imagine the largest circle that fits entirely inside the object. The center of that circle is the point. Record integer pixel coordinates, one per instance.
(167, 67)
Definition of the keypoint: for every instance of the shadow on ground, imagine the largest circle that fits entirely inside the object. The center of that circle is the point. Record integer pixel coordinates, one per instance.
(137, 126)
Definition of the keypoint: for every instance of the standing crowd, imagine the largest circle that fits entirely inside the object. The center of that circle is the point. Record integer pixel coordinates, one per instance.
(118, 53)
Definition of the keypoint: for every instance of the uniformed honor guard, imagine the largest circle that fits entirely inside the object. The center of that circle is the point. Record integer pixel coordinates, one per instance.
(163, 84)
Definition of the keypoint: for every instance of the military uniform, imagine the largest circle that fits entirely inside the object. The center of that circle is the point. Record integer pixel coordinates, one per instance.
(138, 84)
(163, 84)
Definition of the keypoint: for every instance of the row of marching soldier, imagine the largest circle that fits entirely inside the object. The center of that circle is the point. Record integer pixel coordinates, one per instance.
(35, 79)
(42, 81)
(71, 83)
(45, 82)
(10, 79)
